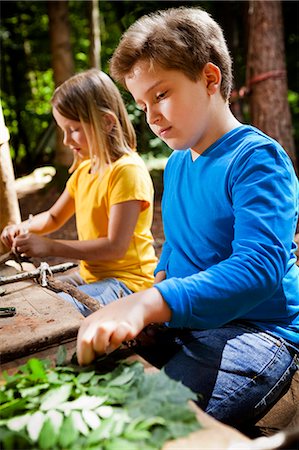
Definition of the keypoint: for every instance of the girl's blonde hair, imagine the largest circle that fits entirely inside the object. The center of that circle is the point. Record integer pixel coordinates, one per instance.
(183, 38)
(88, 97)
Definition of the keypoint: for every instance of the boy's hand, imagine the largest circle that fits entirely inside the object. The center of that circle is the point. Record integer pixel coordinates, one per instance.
(30, 244)
(119, 321)
(106, 329)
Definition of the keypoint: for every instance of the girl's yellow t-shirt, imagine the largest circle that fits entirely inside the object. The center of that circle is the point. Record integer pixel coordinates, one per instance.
(126, 179)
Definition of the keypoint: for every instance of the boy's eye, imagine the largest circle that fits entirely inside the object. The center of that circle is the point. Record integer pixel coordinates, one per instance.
(161, 96)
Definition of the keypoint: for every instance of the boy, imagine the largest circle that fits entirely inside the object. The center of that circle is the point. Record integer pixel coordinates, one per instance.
(226, 284)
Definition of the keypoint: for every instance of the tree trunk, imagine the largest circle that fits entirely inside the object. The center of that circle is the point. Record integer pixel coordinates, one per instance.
(95, 38)
(266, 74)
(10, 211)
(62, 61)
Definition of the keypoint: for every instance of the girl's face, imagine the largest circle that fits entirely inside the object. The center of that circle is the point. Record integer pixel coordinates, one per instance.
(73, 135)
(177, 109)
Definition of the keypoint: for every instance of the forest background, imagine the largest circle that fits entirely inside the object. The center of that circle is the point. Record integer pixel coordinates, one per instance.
(45, 42)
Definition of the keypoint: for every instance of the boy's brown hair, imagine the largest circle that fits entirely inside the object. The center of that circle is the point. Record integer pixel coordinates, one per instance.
(183, 39)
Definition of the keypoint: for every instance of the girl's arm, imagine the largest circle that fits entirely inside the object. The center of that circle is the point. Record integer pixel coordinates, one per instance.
(44, 222)
(160, 276)
(160, 272)
(122, 223)
(166, 251)
(122, 320)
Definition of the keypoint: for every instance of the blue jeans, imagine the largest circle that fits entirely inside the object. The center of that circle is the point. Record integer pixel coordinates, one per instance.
(238, 371)
(104, 291)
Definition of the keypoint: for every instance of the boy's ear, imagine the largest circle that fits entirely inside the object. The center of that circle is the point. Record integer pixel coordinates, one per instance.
(212, 76)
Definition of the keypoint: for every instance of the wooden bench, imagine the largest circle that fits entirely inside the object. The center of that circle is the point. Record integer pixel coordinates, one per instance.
(284, 415)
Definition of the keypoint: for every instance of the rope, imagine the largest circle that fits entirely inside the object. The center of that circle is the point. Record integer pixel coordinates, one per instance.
(245, 90)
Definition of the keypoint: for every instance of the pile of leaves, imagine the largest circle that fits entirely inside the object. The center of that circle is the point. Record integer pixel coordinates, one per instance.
(69, 407)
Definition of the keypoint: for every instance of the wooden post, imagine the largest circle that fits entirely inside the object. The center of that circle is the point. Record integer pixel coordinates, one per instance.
(9, 205)
(267, 75)
(95, 35)
(62, 63)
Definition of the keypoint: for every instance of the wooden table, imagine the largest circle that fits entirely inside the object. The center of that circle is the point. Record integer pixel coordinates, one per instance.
(44, 321)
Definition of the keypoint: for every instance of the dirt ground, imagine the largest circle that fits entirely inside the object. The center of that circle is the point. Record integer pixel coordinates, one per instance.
(35, 201)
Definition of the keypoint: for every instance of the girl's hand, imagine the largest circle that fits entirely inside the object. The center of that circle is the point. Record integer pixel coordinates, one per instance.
(30, 244)
(9, 233)
(119, 321)
(160, 276)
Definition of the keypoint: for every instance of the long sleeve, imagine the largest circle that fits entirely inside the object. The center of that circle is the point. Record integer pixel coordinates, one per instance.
(237, 259)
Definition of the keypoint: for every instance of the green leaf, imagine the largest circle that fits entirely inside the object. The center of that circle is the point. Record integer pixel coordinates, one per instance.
(56, 417)
(105, 431)
(91, 418)
(37, 369)
(65, 369)
(66, 378)
(178, 429)
(123, 407)
(85, 377)
(150, 422)
(123, 378)
(104, 411)
(4, 397)
(121, 419)
(53, 377)
(68, 432)
(61, 355)
(47, 436)
(33, 391)
(12, 407)
(11, 440)
(55, 397)
(80, 424)
(83, 402)
(138, 435)
(18, 423)
(34, 425)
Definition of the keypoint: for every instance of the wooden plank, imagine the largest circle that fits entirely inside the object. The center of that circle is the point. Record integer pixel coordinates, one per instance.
(50, 353)
(42, 320)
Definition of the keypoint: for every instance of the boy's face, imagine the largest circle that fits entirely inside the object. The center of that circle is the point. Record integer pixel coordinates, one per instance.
(178, 110)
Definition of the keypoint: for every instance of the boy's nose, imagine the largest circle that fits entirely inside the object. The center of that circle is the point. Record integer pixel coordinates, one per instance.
(152, 115)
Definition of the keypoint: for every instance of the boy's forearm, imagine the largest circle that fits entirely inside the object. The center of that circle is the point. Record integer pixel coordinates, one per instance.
(158, 309)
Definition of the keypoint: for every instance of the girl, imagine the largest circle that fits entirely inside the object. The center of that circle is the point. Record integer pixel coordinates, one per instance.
(110, 192)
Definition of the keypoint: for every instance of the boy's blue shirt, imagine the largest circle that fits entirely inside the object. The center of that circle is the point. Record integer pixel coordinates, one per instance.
(229, 220)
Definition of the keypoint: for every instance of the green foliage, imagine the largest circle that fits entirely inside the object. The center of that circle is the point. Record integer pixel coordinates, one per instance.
(27, 78)
(80, 42)
(68, 407)
(293, 98)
